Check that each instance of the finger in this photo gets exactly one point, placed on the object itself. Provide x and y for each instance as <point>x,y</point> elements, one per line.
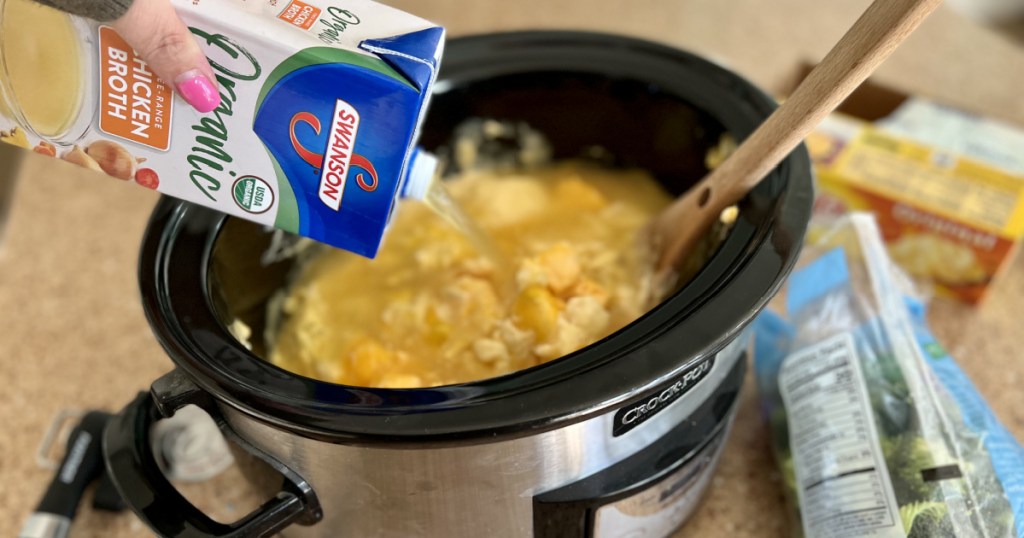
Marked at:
<point>156,32</point>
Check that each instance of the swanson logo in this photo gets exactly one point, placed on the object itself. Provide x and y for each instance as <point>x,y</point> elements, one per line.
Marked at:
<point>339,156</point>
<point>252,194</point>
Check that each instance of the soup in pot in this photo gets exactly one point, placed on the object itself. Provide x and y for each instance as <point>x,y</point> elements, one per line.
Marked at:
<point>565,270</point>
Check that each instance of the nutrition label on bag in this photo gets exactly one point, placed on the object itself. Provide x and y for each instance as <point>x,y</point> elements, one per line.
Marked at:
<point>841,477</point>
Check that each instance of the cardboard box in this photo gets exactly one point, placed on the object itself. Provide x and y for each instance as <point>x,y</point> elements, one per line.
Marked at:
<point>952,220</point>
<point>946,186</point>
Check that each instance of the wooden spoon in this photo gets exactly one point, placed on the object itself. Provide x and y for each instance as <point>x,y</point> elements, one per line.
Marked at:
<point>874,36</point>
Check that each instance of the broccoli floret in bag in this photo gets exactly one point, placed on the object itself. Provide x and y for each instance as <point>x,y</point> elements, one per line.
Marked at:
<point>906,456</point>
<point>869,439</point>
<point>926,519</point>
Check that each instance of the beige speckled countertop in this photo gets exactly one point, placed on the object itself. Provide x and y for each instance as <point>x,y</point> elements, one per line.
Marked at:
<point>72,333</point>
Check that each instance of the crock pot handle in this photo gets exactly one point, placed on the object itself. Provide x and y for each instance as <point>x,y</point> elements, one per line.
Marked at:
<point>134,470</point>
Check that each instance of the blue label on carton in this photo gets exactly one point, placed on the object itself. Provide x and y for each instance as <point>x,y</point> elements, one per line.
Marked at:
<point>340,126</point>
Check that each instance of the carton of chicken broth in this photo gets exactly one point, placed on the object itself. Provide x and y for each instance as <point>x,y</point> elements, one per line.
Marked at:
<point>321,103</point>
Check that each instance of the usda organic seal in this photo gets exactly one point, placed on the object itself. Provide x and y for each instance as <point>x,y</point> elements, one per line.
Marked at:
<point>252,194</point>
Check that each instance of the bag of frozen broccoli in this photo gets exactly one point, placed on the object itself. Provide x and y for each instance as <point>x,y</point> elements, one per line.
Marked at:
<point>877,432</point>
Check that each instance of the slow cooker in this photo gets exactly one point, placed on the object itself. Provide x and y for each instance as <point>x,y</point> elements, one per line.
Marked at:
<point>618,439</point>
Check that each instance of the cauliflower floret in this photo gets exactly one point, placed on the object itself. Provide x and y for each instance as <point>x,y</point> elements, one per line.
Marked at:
<point>582,322</point>
<point>557,267</point>
<point>562,266</point>
<point>588,314</point>
<point>567,338</point>
<point>329,369</point>
<point>531,273</point>
<point>516,340</point>
<point>490,350</point>
<point>242,332</point>
<point>470,296</point>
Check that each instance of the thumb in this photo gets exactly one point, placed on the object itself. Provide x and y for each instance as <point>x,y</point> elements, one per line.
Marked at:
<point>155,31</point>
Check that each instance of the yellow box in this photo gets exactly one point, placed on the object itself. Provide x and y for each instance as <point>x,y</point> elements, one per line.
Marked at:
<point>945,218</point>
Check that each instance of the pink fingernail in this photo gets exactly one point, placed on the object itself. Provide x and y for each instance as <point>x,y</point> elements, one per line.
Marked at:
<point>198,91</point>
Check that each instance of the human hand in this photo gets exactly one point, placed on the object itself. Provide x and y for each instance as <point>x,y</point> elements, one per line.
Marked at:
<point>155,31</point>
